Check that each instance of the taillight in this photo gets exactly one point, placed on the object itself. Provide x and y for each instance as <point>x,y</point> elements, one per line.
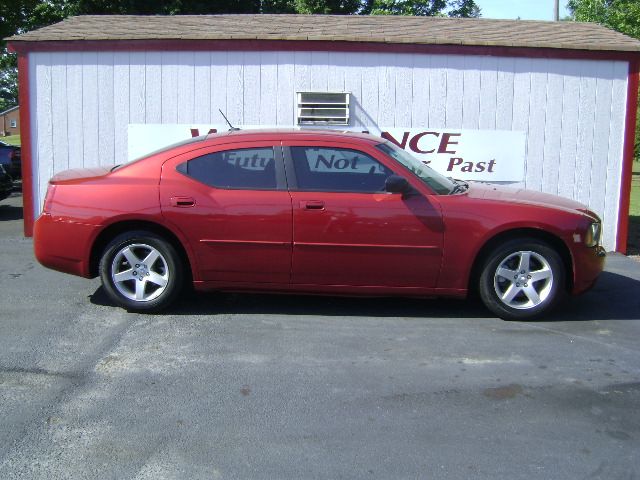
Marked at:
<point>48,199</point>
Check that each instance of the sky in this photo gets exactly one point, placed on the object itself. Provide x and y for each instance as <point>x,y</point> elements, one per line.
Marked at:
<point>525,9</point>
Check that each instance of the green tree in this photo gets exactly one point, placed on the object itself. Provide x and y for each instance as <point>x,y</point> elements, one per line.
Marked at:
<point>430,8</point>
<point>620,15</point>
<point>336,7</point>
<point>8,85</point>
<point>18,16</point>
<point>464,9</point>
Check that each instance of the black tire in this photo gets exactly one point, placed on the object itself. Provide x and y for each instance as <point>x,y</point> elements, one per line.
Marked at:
<point>156,283</point>
<point>528,291</point>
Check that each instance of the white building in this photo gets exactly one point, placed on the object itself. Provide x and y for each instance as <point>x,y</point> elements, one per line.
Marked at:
<point>553,104</point>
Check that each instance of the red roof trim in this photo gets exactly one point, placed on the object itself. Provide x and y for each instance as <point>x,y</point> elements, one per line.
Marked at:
<point>627,156</point>
<point>25,125</point>
<point>314,45</point>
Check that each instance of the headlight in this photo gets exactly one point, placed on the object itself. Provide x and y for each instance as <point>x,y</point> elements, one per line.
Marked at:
<point>592,237</point>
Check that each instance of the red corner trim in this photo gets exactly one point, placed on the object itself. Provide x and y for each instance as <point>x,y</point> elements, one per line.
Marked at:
<point>25,122</point>
<point>627,156</point>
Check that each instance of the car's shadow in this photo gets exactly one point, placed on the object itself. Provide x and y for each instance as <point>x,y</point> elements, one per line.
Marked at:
<point>9,212</point>
<point>216,303</point>
<point>615,297</point>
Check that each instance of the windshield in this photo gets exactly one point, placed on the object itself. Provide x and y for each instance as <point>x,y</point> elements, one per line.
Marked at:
<point>437,182</point>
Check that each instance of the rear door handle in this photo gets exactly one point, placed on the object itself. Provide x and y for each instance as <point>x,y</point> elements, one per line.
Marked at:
<point>182,202</point>
<point>312,205</point>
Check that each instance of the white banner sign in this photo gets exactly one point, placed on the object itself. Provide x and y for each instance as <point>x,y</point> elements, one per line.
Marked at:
<point>485,155</point>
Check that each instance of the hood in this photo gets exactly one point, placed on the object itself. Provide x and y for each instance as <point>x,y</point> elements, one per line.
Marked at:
<point>79,174</point>
<point>501,193</point>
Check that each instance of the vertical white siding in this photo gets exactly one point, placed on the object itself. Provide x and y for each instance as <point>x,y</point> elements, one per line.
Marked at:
<point>106,109</point>
<point>268,101</point>
<point>521,102</point>
<point>251,96</point>
<point>437,107</point>
<point>369,103</point>
<point>505,92</point>
<point>43,118</point>
<point>121,105</point>
<point>90,110</point>
<point>536,122</point>
<point>616,144</point>
<point>219,91</point>
<point>75,134</point>
<point>553,126</point>
<point>572,111</point>
<point>454,95</point>
<point>285,88</point>
<point>404,90</point>
<point>471,93</point>
<point>202,87</point>
<point>420,91</point>
<point>353,84</point>
<point>387,93</point>
<point>186,87</point>
<point>137,89</point>
<point>489,97</point>
<point>59,111</point>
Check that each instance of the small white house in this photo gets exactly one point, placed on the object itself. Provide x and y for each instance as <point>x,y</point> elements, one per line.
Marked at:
<point>545,105</point>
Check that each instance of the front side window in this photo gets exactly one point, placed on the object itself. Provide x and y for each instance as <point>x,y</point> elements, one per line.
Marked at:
<point>437,182</point>
<point>247,168</point>
<point>337,170</point>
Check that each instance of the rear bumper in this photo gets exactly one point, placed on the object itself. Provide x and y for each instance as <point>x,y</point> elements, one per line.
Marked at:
<point>62,245</point>
<point>588,263</point>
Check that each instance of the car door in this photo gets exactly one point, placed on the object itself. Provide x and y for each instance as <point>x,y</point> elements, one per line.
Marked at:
<point>349,231</point>
<point>232,204</point>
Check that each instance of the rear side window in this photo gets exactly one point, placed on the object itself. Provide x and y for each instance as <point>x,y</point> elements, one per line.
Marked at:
<point>248,168</point>
<point>337,170</point>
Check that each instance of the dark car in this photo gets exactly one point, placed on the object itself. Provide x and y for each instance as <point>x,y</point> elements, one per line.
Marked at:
<point>6,183</point>
<point>11,159</point>
<point>312,212</point>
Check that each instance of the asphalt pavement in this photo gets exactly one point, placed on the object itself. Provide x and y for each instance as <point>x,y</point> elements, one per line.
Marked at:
<point>231,386</point>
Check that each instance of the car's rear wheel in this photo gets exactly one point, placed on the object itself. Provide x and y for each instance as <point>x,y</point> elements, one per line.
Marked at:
<point>141,271</point>
<point>522,280</point>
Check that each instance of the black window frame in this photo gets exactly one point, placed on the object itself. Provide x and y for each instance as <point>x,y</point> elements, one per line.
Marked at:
<point>281,178</point>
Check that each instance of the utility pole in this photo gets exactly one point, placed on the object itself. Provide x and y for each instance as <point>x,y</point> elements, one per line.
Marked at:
<point>556,10</point>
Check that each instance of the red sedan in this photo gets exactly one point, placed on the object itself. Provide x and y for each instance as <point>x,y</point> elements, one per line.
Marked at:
<point>312,212</point>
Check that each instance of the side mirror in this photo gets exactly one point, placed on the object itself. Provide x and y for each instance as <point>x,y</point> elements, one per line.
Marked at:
<point>396,184</point>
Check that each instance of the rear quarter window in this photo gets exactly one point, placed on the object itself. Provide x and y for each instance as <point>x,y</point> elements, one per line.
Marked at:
<point>249,168</point>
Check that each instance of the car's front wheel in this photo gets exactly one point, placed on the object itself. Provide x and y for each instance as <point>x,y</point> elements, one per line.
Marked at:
<point>141,271</point>
<point>522,280</point>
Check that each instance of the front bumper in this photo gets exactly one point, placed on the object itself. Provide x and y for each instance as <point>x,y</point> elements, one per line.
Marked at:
<point>588,264</point>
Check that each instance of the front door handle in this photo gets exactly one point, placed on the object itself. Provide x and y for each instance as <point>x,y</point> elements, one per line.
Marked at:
<point>312,205</point>
<point>182,202</point>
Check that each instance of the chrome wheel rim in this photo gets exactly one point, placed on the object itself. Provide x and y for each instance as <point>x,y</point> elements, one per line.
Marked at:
<point>523,280</point>
<point>139,272</point>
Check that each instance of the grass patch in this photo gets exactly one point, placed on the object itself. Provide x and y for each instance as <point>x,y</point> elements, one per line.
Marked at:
<point>633,240</point>
<point>634,208</point>
<point>11,140</point>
